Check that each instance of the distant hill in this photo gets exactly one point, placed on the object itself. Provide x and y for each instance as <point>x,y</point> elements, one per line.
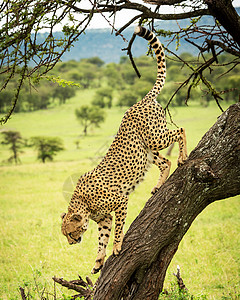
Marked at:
<point>107,46</point>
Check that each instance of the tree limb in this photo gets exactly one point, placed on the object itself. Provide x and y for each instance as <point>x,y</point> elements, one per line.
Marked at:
<point>84,288</point>
<point>226,14</point>
<point>22,292</point>
<point>180,280</point>
<point>148,13</point>
<point>164,2</point>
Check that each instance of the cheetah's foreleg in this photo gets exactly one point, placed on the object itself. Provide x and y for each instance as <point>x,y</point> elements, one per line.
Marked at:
<point>120,217</point>
<point>104,230</point>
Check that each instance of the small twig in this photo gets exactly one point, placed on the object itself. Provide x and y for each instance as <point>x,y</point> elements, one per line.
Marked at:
<point>23,295</point>
<point>170,116</point>
<point>55,294</point>
<point>180,280</point>
<point>181,85</point>
<point>213,92</point>
<point>201,49</point>
<point>112,25</point>
<point>129,53</point>
<point>89,281</point>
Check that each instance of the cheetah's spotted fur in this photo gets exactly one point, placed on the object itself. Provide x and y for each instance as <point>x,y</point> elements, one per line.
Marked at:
<point>105,189</point>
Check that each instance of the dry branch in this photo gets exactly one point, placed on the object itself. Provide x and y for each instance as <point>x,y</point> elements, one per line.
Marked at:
<point>23,295</point>
<point>84,288</point>
<point>180,280</point>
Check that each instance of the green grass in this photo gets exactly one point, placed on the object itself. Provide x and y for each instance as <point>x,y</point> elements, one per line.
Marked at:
<point>31,202</point>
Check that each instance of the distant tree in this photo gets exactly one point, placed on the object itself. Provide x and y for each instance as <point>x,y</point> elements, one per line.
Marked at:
<point>103,97</point>
<point>127,98</point>
<point>75,75</point>
<point>5,100</point>
<point>47,147</point>
<point>88,72</point>
<point>123,60</point>
<point>128,74</point>
<point>66,66</point>
<point>89,116</point>
<point>63,93</point>
<point>39,99</point>
<point>77,142</point>
<point>142,87</point>
<point>113,75</point>
<point>232,84</point>
<point>15,142</point>
<point>98,101</point>
<point>95,61</point>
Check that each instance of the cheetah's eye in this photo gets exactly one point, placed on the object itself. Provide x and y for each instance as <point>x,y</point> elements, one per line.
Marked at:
<point>76,217</point>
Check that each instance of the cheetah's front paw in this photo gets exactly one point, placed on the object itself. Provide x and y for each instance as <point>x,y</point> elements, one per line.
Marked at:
<point>98,266</point>
<point>117,248</point>
<point>154,190</point>
<point>181,160</point>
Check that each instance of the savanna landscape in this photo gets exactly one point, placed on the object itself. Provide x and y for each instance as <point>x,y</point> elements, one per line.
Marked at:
<point>34,194</point>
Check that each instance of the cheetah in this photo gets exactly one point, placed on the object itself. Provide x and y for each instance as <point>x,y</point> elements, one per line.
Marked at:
<point>105,189</point>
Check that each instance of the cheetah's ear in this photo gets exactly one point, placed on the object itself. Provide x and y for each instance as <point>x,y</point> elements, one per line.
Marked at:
<point>63,215</point>
<point>76,217</point>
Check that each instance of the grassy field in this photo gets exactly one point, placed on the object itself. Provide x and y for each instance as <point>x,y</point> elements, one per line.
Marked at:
<point>32,248</point>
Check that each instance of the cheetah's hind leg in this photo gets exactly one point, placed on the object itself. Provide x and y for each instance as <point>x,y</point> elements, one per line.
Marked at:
<point>182,141</point>
<point>164,166</point>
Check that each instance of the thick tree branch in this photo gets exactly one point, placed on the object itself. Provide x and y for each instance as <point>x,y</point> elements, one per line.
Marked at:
<point>165,2</point>
<point>148,13</point>
<point>211,173</point>
<point>226,14</point>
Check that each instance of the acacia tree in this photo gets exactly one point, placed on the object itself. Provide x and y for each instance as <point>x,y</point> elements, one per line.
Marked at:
<point>212,170</point>
<point>47,147</point>
<point>89,116</point>
<point>15,142</point>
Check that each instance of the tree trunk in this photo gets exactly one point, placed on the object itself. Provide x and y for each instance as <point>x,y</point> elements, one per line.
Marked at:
<point>212,172</point>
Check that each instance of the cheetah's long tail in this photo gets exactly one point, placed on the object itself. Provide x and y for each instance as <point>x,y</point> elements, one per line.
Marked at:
<point>158,49</point>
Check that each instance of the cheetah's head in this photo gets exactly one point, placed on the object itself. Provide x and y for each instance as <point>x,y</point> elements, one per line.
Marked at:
<point>74,225</point>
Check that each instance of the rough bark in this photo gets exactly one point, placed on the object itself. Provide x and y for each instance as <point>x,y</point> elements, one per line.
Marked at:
<point>211,173</point>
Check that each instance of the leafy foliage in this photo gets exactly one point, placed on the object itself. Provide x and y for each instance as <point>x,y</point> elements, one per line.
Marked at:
<point>20,45</point>
<point>117,84</point>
